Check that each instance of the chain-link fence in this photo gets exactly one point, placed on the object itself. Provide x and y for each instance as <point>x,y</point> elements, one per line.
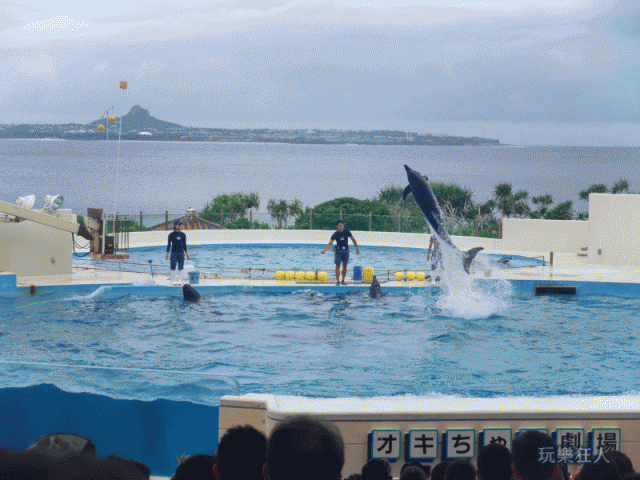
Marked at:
<point>306,221</point>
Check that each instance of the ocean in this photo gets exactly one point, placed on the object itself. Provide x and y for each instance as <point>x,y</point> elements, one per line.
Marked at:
<point>153,177</point>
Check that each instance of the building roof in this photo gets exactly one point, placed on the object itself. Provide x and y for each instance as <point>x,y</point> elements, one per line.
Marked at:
<point>190,222</point>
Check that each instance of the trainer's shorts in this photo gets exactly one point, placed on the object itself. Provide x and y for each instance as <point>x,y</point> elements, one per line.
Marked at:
<point>175,257</point>
<point>342,256</point>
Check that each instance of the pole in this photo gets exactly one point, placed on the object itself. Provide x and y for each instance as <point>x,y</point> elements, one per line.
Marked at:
<point>250,218</point>
<point>123,86</point>
<point>310,219</point>
<point>369,220</point>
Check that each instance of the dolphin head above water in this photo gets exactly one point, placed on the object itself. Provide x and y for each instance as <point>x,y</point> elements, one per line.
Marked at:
<point>189,293</point>
<point>426,200</point>
<point>375,291</point>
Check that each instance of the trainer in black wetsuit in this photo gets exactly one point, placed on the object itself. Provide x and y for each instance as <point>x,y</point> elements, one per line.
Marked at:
<point>178,247</point>
<point>341,236</point>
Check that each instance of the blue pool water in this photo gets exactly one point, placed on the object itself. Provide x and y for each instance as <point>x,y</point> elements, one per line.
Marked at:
<point>229,260</point>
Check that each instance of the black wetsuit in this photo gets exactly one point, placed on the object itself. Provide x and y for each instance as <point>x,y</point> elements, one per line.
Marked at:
<point>178,246</point>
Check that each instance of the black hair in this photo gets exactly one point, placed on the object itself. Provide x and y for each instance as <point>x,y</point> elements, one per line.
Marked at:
<point>524,452</point>
<point>439,470</point>
<point>460,470</point>
<point>494,462</point>
<point>621,461</point>
<point>304,447</point>
<point>241,454</point>
<point>599,471</point>
<point>339,221</point>
<point>375,469</point>
<point>195,467</point>
<point>413,473</point>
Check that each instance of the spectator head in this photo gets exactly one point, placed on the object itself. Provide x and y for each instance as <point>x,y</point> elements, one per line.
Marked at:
<point>524,453</point>
<point>598,471</point>
<point>376,469</point>
<point>241,454</point>
<point>460,470</point>
<point>58,445</point>
<point>426,469</point>
<point>78,466</point>
<point>413,473</point>
<point>494,462</point>
<point>621,461</point>
<point>302,447</point>
<point>195,467</point>
<point>439,470</point>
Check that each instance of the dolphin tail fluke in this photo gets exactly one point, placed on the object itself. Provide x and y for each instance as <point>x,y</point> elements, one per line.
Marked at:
<point>406,192</point>
<point>469,256</point>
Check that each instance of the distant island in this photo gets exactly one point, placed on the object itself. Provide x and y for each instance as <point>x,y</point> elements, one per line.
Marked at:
<point>139,125</point>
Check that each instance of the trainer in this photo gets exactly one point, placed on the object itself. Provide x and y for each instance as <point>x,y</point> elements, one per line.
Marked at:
<point>178,246</point>
<point>341,236</point>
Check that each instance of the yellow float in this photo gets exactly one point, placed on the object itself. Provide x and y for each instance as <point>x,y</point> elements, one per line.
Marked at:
<point>280,275</point>
<point>300,276</point>
<point>411,276</point>
<point>112,119</point>
<point>399,276</point>
<point>310,276</point>
<point>290,275</point>
<point>420,276</point>
<point>100,128</point>
<point>322,276</point>
<point>368,274</point>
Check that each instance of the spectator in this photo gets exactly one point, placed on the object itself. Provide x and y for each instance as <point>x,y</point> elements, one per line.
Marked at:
<point>439,470</point>
<point>631,476</point>
<point>426,469</point>
<point>598,471</point>
<point>494,462</point>
<point>621,461</point>
<point>355,476</point>
<point>241,454</point>
<point>60,444</point>
<point>195,467</point>
<point>524,453</point>
<point>413,473</point>
<point>376,469</point>
<point>29,465</point>
<point>460,470</point>
<point>302,447</point>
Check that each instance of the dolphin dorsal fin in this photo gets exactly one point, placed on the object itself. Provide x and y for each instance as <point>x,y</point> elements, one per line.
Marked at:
<point>406,192</point>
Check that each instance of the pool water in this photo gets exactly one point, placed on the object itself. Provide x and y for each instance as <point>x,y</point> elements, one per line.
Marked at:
<point>229,260</point>
<point>489,344</point>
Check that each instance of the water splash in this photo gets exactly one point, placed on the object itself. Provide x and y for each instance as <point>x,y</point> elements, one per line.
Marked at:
<point>101,289</point>
<point>463,296</point>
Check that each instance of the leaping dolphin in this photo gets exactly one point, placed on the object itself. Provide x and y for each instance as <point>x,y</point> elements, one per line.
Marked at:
<point>375,291</point>
<point>426,200</point>
<point>189,293</point>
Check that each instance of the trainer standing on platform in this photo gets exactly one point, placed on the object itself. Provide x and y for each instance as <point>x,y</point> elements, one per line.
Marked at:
<point>178,247</point>
<point>341,236</point>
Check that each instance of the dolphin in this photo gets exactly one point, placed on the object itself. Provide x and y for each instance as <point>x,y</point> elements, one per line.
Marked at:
<point>375,291</point>
<point>189,293</point>
<point>426,200</point>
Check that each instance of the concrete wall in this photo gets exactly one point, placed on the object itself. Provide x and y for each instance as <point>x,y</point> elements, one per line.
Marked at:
<point>321,237</point>
<point>31,249</point>
<point>614,236</point>
<point>357,417</point>
<point>558,236</point>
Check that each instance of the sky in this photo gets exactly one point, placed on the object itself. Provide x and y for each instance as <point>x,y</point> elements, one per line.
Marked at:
<point>538,72</point>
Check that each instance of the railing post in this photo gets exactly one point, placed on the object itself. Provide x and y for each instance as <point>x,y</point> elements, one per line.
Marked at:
<point>340,214</point>
<point>250,218</point>
<point>222,217</point>
<point>311,219</point>
<point>500,229</point>
<point>140,219</point>
<point>398,222</point>
<point>166,219</point>
<point>280,220</point>
<point>370,220</point>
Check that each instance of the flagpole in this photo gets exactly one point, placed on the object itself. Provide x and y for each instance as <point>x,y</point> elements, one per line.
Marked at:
<point>123,86</point>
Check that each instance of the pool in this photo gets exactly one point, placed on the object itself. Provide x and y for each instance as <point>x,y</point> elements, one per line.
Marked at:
<point>235,259</point>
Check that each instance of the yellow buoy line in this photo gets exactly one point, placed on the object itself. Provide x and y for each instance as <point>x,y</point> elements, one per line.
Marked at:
<point>293,275</point>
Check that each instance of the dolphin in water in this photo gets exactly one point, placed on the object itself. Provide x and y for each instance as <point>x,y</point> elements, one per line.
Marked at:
<point>426,200</point>
<point>375,291</point>
<point>189,293</point>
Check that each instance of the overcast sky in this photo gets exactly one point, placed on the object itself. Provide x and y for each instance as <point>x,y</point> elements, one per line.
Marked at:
<point>545,72</point>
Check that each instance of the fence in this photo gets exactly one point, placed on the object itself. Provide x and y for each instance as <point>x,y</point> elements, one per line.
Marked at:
<point>309,221</point>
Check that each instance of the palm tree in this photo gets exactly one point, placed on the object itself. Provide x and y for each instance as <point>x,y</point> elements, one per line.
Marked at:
<point>251,200</point>
<point>278,209</point>
<point>598,188</point>
<point>295,208</point>
<point>622,186</point>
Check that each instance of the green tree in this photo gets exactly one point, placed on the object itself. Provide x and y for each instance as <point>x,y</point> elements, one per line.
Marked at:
<point>355,215</point>
<point>242,223</point>
<point>598,188</point>
<point>278,209</point>
<point>622,186</point>
<point>562,211</point>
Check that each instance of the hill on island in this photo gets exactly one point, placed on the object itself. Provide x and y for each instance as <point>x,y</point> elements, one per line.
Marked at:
<point>139,119</point>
